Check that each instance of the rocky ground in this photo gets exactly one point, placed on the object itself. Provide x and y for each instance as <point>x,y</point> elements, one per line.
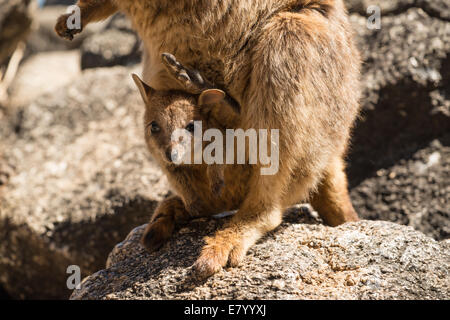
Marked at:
<point>398,163</point>
<point>75,176</point>
<point>302,259</point>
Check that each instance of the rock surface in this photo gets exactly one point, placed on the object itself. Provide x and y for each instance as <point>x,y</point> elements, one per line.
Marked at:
<point>436,8</point>
<point>75,176</point>
<point>406,80</point>
<point>3,294</point>
<point>406,106</point>
<point>412,192</point>
<point>300,260</point>
<point>78,179</point>
<point>406,102</point>
<point>44,73</point>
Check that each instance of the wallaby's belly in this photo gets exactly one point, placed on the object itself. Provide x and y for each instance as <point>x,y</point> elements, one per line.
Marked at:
<point>203,35</point>
<point>220,38</point>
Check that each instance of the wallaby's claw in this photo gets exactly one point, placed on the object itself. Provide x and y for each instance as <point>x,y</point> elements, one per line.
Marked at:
<point>170,60</point>
<point>171,63</point>
<point>183,76</point>
<point>63,30</point>
<point>190,79</point>
<point>68,35</point>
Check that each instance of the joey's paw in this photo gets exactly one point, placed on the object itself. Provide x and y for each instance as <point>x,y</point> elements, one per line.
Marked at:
<point>62,28</point>
<point>156,234</point>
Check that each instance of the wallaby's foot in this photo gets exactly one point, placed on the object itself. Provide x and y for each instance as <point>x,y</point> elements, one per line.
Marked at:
<point>191,80</point>
<point>226,247</point>
<point>332,200</point>
<point>63,30</point>
<point>162,224</point>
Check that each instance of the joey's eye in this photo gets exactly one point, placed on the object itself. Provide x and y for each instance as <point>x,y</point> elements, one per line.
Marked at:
<point>154,127</point>
<point>190,127</point>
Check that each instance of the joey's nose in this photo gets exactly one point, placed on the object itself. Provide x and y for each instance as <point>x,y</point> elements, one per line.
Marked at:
<point>171,155</point>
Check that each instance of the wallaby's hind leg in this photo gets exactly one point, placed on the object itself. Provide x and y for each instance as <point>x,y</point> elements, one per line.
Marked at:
<point>160,228</point>
<point>332,200</point>
<point>91,11</point>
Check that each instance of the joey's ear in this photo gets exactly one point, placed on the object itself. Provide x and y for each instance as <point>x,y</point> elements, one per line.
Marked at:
<point>211,96</point>
<point>145,90</point>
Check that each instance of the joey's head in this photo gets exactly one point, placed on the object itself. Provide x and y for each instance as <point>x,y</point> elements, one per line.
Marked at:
<point>171,119</point>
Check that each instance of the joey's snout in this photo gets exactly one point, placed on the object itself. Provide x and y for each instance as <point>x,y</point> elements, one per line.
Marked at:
<point>175,153</point>
<point>179,150</point>
<point>171,154</point>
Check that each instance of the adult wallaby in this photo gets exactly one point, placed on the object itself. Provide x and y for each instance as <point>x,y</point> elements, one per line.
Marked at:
<point>291,65</point>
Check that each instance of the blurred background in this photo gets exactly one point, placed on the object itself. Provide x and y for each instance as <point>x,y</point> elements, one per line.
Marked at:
<point>75,176</point>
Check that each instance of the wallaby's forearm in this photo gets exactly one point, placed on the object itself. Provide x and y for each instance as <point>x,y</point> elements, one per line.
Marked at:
<point>90,11</point>
<point>95,10</point>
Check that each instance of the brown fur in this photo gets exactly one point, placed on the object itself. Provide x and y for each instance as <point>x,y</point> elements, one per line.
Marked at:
<point>195,198</point>
<point>291,65</point>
